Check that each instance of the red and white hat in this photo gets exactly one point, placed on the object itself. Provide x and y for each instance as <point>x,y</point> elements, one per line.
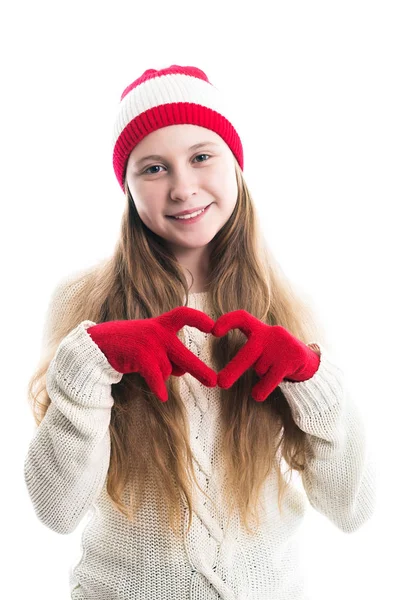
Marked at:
<point>172,96</point>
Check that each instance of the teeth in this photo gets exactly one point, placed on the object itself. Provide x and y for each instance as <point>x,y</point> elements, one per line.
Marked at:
<point>191,215</point>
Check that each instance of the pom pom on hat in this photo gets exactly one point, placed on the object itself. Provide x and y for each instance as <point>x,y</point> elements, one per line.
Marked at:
<point>171,96</point>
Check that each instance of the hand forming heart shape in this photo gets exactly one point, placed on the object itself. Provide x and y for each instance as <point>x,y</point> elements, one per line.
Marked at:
<point>273,351</point>
<point>151,347</point>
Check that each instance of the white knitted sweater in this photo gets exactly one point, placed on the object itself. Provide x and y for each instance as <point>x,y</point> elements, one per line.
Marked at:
<point>68,459</point>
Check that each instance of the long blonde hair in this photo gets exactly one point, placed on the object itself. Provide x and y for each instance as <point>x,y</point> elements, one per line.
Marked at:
<point>143,279</point>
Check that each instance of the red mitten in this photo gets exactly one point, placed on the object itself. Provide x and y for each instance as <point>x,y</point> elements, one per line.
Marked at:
<point>151,347</point>
<point>275,353</point>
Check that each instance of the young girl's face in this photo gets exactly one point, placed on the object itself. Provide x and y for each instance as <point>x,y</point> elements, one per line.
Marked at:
<point>180,178</point>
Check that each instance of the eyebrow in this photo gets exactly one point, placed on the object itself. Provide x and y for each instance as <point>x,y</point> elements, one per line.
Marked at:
<point>159,157</point>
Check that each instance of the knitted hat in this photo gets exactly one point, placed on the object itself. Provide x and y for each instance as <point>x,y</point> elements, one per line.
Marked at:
<point>171,96</point>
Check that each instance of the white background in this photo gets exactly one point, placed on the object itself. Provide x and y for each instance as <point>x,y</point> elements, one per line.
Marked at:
<point>316,87</point>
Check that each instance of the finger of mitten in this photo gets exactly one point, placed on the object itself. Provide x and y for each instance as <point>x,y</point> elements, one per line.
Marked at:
<point>154,379</point>
<point>263,388</point>
<point>185,359</point>
<point>237,319</point>
<point>239,364</point>
<point>266,360</point>
<point>163,362</point>
<point>185,315</point>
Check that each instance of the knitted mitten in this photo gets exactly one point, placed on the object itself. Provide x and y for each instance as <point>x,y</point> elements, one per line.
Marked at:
<point>152,348</point>
<point>274,352</point>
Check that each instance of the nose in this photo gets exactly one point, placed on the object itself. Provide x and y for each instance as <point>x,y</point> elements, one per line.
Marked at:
<point>183,184</point>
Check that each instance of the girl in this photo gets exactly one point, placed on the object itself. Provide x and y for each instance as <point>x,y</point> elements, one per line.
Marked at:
<point>178,378</point>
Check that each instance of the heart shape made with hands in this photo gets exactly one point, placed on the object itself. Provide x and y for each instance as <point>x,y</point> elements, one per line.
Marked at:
<point>273,352</point>
<point>152,348</point>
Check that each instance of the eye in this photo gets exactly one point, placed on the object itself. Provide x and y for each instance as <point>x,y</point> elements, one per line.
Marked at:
<point>202,155</point>
<point>147,171</point>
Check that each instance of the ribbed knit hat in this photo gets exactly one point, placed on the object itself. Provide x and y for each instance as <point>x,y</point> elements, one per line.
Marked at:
<point>171,96</point>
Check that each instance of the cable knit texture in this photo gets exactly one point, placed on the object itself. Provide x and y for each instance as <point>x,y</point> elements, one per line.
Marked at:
<point>68,459</point>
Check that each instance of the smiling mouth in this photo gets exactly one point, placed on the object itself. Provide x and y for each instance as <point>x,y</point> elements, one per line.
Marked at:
<point>189,216</point>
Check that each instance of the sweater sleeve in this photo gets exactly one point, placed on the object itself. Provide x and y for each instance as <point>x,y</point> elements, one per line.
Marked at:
<point>68,457</point>
<point>339,477</point>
